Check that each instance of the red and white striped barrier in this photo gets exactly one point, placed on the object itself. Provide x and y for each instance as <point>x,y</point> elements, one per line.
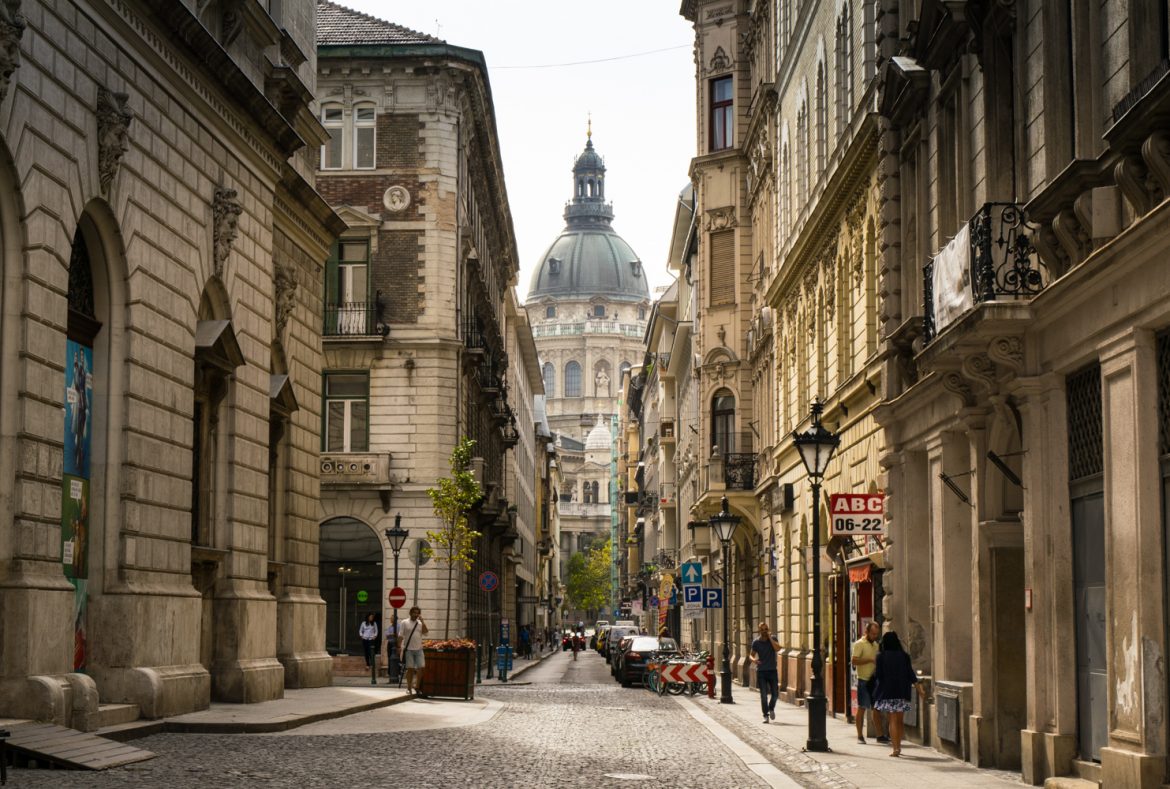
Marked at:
<point>684,672</point>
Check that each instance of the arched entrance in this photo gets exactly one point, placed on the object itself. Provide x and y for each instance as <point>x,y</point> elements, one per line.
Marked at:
<point>351,581</point>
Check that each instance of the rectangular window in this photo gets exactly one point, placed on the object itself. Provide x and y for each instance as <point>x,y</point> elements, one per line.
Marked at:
<point>347,412</point>
<point>333,121</point>
<point>363,138</point>
<point>347,289</point>
<point>723,267</point>
<point>721,113</point>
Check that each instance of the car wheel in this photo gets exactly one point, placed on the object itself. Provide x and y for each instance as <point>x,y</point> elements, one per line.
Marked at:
<point>626,682</point>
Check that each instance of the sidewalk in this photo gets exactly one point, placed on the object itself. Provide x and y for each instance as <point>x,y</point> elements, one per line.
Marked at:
<point>850,764</point>
<point>519,666</point>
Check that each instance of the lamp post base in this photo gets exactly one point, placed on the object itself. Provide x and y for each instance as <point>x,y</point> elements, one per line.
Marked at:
<point>725,693</point>
<point>817,740</point>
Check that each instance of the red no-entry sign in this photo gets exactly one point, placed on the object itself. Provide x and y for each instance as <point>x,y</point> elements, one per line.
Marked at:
<point>397,597</point>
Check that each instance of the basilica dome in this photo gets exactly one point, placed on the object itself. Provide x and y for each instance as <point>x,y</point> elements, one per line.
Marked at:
<point>599,439</point>
<point>588,259</point>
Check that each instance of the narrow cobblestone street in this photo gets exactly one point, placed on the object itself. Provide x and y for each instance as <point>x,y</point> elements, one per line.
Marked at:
<point>565,724</point>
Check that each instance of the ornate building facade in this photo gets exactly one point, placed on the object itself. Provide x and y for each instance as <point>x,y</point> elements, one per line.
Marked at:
<point>587,303</point>
<point>941,221</point>
<point>421,349</point>
<point>159,394</point>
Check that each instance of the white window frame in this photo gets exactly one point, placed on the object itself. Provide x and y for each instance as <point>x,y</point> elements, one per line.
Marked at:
<point>358,125</point>
<point>330,126</point>
<point>347,414</point>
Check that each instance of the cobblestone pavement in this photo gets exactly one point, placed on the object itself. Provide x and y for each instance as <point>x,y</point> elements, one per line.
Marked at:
<point>567,725</point>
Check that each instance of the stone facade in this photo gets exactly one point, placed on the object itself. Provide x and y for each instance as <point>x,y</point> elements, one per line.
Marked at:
<point>966,278</point>
<point>417,320</point>
<point>159,407</point>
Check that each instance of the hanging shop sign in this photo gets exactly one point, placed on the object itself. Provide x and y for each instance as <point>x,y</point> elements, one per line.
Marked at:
<point>857,514</point>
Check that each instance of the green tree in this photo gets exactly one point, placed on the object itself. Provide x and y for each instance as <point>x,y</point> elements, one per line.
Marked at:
<point>451,501</point>
<point>587,582</point>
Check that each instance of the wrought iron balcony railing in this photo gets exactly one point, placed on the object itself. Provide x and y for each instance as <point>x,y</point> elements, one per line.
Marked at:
<point>739,470</point>
<point>991,258</point>
<point>356,319</point>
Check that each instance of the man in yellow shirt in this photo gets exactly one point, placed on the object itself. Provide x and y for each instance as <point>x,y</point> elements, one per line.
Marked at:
<point>865,651</point>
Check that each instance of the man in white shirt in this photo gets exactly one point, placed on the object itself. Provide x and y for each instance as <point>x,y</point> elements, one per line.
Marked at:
<point>410,650</point>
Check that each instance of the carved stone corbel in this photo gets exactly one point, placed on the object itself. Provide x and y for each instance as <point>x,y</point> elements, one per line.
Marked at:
<point>958,385</point>
<point>1007,351</point>
<point>1131,174</point>
<point>980,371</point>
<point>1156,154</point>
<point>225,214</point>
<point>1072,237</point>
<point>12,25</point>
<point>113,123</point>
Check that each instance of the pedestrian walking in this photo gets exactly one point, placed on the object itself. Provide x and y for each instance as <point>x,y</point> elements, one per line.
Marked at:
<point>525,641</point>
<point>895,682</point>
<point>577,644</point>
<point>368,632</point>
<point>410,650</point>
<point>864,661</point>
<point>763,654</point>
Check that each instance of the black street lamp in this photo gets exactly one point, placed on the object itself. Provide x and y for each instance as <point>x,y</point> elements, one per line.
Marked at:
<point>724,524</point>
<point>816,446</point>
<point>397,538</point>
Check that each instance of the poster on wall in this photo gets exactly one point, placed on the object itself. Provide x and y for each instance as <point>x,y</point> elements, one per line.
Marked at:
<point>951,279</point>
<point>78,408</point>
<point>75,486</point>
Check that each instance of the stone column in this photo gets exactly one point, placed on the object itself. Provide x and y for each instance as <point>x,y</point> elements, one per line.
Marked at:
<point>1136,753</point>
<point>1048,744</point>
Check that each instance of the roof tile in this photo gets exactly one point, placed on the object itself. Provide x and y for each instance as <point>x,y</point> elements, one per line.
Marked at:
<point>341,26</point>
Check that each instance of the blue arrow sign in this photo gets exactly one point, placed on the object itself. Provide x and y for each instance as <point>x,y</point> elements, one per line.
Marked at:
<point>712,598</point>
<point>692,573</point>
<point>692,594</point>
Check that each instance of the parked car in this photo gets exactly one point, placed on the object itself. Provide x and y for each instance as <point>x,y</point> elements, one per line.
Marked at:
<point>615,665</point>
<point>613,639</point>
<point>599,642</point>
<point>638,653</point>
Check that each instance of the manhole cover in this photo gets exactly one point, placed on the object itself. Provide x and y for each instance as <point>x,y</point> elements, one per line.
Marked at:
<point>630,776</point>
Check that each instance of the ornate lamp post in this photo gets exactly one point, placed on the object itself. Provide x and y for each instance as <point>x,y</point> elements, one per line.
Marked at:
<point>816,446</point>
<point>724,523</point>
<point>397,538</point>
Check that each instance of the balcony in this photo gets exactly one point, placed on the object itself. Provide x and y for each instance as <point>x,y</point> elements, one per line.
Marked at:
<point>356,319</point>
<point>991,259</point>
<point>355,470</point>
<point>579,510</point>
<point>666,432</point>
<point>739,470</point>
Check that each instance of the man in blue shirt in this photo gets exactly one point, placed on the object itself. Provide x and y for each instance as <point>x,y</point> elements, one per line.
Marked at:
<point>764,651</point>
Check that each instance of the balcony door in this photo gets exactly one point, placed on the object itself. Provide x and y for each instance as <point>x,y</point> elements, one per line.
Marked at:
<point>723,421</point>
<point>347,290</point>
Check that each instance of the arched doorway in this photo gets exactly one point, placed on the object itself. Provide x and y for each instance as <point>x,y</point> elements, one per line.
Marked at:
<point>351,581</point>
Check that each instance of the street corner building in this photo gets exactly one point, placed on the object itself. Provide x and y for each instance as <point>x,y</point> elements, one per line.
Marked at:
<point>424,341</point>
<point>945,223</point>
<point>159,385</point>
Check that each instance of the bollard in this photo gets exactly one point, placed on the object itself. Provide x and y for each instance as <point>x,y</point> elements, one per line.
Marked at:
<point>710,676</point>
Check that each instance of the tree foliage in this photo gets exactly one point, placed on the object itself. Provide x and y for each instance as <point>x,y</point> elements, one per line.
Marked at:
<point>587,582</point>
<point>451,500</point>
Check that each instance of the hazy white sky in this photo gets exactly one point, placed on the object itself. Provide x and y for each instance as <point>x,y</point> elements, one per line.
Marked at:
<point>643,107</point>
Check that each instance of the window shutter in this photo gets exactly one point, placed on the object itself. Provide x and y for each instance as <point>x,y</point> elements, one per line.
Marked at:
<point>722,269</point>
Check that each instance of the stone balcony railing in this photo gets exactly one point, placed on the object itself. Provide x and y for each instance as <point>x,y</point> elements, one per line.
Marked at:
<point>580,510</point>
<point>355,469</point>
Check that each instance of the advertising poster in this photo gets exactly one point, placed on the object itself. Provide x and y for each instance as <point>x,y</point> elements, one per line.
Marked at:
<point>78,408</point>
<point>75,485</point>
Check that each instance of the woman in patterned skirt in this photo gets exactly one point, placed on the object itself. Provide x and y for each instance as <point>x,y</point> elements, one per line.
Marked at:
<point>895,679</point>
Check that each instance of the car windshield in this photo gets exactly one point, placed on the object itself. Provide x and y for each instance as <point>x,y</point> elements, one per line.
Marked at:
<point>650,644</point>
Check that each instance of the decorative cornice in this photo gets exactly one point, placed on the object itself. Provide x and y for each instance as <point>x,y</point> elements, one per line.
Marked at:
<point>225,212</point>
<point>113,123</point>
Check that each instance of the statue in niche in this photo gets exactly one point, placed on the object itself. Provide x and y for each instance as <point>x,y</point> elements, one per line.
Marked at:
<point>601,384</point>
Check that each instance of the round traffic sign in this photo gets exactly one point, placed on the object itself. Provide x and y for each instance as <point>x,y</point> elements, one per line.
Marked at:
<point>397,597</point>
<point>488,581</point>
<point>363,596</point>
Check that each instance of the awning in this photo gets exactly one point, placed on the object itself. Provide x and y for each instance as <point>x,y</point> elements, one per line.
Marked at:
<point>860,574</point>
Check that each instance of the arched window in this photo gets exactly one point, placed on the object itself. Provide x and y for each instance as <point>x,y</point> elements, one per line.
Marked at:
<point>625,368</point>
<point>586,493</point>
<point>596,493</point>
<point>844,68</point>
<point>723,421</point>
<point>334,121</point>
<point>363,137</point>
<point>572,380</point>
<point>550,380</point>
<point>822,119</point>
<point>550,311</point>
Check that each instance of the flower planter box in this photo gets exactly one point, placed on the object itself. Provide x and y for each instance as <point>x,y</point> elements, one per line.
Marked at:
<point>449,673</point>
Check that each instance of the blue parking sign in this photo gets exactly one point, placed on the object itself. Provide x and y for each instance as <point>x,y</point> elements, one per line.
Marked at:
<point>712,597</point>
<point>692,594</point>
<point>654,601</point>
